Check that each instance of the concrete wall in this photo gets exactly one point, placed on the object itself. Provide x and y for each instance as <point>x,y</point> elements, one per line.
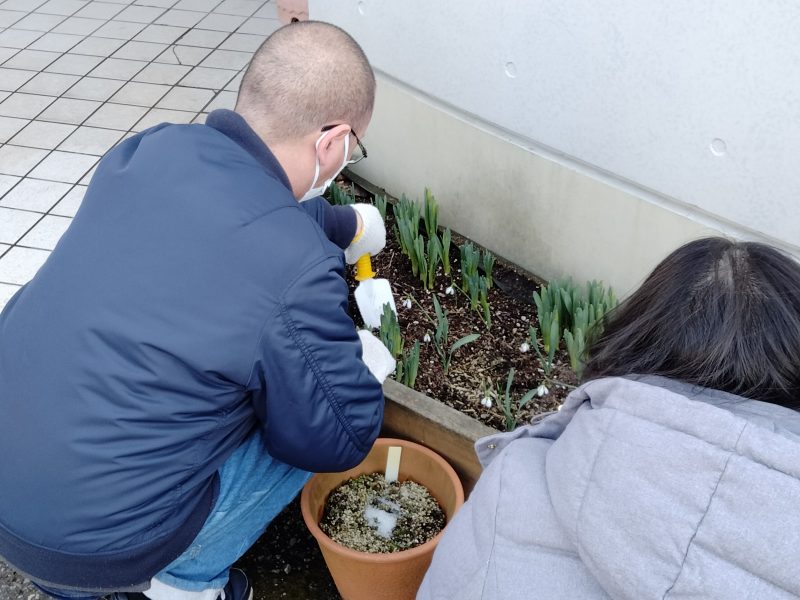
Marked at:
<point>587,138</point>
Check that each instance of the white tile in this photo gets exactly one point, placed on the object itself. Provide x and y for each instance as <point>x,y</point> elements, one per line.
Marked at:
<point>24,106</point>
<point>38,22</point>
<point>183,55</point>
<point>88,177</point>
<point>69,110</point>
<point>16,160</point>
<point>162,73</point>
<point>78,26</point>
<point>186,98</point>
<point>7,182</point>
<point>69,204</point>
<point>203,77</point>
<point>163,34</point>
<point>35,195</point>
<point>61,7</point>
<point>233,84</point>
<point>26,5</point>
<point>204,5</point>
<point>15,223</point>
<point>227,59</point>
<point>244,8</point>
<point>180,18</point>
<point>140,94</point>
<point>203,38</point>
<point>56,42</point>
<point>64,166</point>
<point>243,42</point>
<point>222,100</point>
<point>19,265</point>
<point>9,17</point>
<point>46,233</point>
<point>268,11</point>
<point>7,291</point>
<point>91,140</point>
<point>201,118</point>
<point>140,14</point>
<point>119,29</point>
<point>31,60</point>
<point>18,38</point>
<point>217,22</point>
<point>118,68</point>
<point>98,46</point>
<point>99,10</point>
<point>94,88</point>
<point>40,134</point>
<point>50,84</point>
<point>116,116</point>
<point>159,3</point>
<point>9,126</point>
<point>6,53</point>
<point>146,51</point>
<point>257,26</point>
<point>12,79</point>
<point>163,115</point>
<point>74,64</point>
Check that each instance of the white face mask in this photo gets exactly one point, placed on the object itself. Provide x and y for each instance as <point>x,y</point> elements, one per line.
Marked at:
<point>318,191</point>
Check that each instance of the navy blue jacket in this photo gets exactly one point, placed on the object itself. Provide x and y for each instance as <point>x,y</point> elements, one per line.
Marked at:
<point>191,299</point>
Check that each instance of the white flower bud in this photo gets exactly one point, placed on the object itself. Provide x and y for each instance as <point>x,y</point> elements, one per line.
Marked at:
<point>449,290</point>
<point>542,390</point>
<point>487,402</point>
<point>407,303</point>
<point>427,338</point>
<point>524,347</point>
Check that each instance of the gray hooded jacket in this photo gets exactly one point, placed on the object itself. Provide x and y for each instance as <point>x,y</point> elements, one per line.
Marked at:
<point>637,488</point>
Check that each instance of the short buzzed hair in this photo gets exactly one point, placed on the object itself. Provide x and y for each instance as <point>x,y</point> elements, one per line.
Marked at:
<point>306,75</point>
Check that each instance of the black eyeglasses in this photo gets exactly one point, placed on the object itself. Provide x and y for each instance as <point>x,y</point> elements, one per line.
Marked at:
<point>363,150</point>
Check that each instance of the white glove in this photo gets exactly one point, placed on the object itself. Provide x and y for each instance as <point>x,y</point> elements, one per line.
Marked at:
<point>373,234</point>
<point>378,359</point>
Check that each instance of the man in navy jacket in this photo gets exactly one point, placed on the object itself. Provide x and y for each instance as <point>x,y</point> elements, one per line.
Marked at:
<point>185,356</point>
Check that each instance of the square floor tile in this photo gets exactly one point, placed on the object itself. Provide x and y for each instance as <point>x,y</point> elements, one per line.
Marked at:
<point>118,68</point>
<point>203,77</point>
<point>19,265</point>
<point>26,5</point>
<point>233,84</point>
<point>18,38</point>
<point>69,204</point>
<point>38,22</point>
<point>46,233</point>
<point>12,79</point>
<point>245,8</point>
<point>74,64</point>
<point>183,55</point>
<point>243,42</point>
<point>116,116</point>
<point>64,166</point>
<point>119,29</point>
<point>9,126</point>
<point>140,94</point>
<point>201,118</point>
<point>146,51</point>
<point>91,140</point>
<point>257,26</point>
<point>163,34</point>
<point>94,88</point>
<point>205,5</point>
<point>88,177</point>
<point>227,59</point>
<point>186,98</point>
<point>7,182</point>
<point>159,3</point>
<point>163,115</point>
<point>40,134</point>
<point>99,10</point>
<point>140,14</point>
<point>7,291</point>
<point>15,223</point>
<point>61,7</point>
<point>9,17</point>
<point>224,99</point>
<point>78,26</point>
<point>31,60</point>
<point>56,42</point>
<point>16,160</point>
<point>98,46</point>
<point>217,22</point>
<point>52,84</point>
<point>203,38</point>
<point>268,11</point>
<point>24,106</point>
<point>35,195</point>
<point>180,18</point>
<point>69,110</point>
<point>6,53</point>
<point>162,73</point>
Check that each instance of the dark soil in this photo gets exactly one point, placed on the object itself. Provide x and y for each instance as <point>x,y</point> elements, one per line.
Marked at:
<point>480,369</point>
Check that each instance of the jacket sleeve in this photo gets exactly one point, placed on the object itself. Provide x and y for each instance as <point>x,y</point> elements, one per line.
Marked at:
<point>338,222</point>
<point>320,407</point>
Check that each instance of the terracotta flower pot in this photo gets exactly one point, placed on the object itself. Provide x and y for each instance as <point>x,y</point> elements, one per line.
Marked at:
<point>391,576</point>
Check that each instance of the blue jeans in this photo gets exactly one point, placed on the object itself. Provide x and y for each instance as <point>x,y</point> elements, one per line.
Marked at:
<point>254,488</point>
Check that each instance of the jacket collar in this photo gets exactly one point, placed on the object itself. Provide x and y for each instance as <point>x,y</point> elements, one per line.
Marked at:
<point>234,126</point>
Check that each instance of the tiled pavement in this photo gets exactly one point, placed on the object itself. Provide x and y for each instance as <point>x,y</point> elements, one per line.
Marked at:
<point>78,76</point>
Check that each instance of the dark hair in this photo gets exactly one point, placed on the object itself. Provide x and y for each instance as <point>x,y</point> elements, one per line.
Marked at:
<point>715,313</point>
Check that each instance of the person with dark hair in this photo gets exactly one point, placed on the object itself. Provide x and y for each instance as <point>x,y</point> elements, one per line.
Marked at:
<point>184,359</point>
<point>673,471</point>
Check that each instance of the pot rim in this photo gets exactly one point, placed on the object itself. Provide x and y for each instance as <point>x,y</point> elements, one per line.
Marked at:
<point>381,557</point>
